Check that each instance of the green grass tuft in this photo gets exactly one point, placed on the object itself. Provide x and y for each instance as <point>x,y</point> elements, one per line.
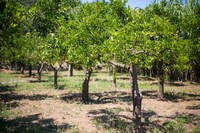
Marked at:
<point>196,129</point>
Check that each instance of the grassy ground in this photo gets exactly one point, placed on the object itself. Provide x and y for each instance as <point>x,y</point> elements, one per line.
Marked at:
<point>30,106</point>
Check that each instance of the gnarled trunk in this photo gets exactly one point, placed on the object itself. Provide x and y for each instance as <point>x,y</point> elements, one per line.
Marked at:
<point>40,71</point>
<point>160,80</point>
<point>136,95</point>
<point>70,71</point>
<point>55,70</point>
<point>85,85</point>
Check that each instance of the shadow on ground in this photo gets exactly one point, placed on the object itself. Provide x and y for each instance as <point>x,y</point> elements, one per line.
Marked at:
<point>36,81</point>
<point>175,97</point>
<point>31,123</point>
<point>148,124</point>
<point>140,78</point>
<point>121,96</point>
<point>171,96</point>
<point>176,84</point>
<point>100,98</point>
<point>10,99</point>
<point>195,107</point>
<point>111,119</point>
<point>165,124</point>
<point>7,97</point>
<point>123,78</point>
<point>5,88</point>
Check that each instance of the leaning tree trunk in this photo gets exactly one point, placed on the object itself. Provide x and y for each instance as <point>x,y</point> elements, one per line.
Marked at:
<point>70,71</point>
<point>55,70</point>
<point>40,71</point>
<point>85,86</point>
<point>30,71</point>
<point>160,80</point>
<point>136,95</point>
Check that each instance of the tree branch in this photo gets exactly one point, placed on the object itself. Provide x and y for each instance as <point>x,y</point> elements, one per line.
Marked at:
<point>119,64</point>
<point>138,52</point>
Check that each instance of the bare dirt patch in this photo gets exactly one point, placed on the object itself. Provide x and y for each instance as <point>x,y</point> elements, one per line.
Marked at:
<point>59,110</point>
<point>36,107</point>
<point>6,71</point>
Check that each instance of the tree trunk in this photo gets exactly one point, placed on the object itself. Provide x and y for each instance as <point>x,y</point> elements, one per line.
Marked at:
<point>143,72</point>
<point>196,70</point>
<point>11,64</point>
<point>154,70</point>
<point>160,80</point>
<point>85,86</point>
<point>30,71</point>
<point>188,76</point>
<point>56,79</point>
<point>114,76</point>
<point>184,76</point>
<point>148,72</point>
<point>171,76</point>
<point>55,70</point>
<point>136,95</point>
<point>22,68</point>
<point>70,71</point>
<point>40,71</point>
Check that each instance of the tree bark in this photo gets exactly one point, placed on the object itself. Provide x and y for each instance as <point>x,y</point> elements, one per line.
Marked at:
<point>154,70</point>
<point>148,72</point>
<point>40,71</point>
<point>85,85</point>
<point>114,76</point>
<point>22,65</point>
<point>55,78</point>
<point>143,71</point>
<point>160,80</point>
<point>171,75</point>
<point>184,76</point>
<point>55,70</point>
<point>196,70</point>
<point>70,71</point>
<point>119,64</point>
<point>136,95</point>
<point>30,71</point>
<point>11,64</point>
<point>188,76</point>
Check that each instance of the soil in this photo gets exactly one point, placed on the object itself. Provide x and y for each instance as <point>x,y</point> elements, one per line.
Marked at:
<point>56,110</point>
<point>64,109</point>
